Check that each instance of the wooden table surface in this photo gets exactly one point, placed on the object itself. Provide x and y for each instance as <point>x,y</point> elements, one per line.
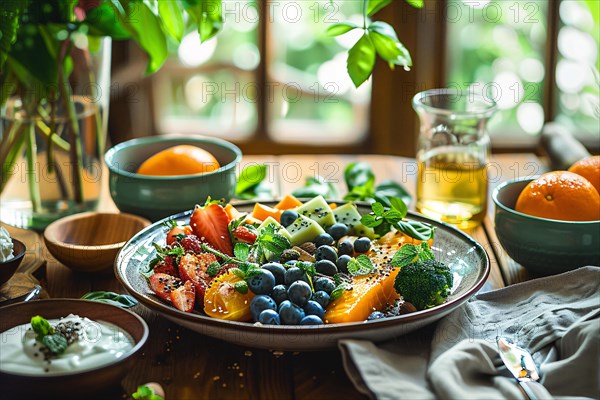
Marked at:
<point>192,366</point>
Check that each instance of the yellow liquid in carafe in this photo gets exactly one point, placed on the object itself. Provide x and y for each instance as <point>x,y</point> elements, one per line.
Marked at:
<point>452,187</point>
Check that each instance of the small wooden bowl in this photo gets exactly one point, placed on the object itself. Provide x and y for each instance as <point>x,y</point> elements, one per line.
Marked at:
<point>78,384</point>
<point>8,268</point>
<point>89,242</point>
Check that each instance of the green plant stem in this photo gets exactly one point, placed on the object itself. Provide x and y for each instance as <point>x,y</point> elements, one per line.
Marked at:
<point>365,8</point>
<point>31,152</point>
<point>12,152</point>
<point>75,153</point>
<point>52,135</point>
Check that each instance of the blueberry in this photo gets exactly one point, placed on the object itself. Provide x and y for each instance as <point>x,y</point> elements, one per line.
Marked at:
<point>375,315</point>
<point>280,293</point>
<point>295,274</point>
<point>314,308</point>
<point>262,283</point>
<point>326,253</point>
<point>342,263</point>
<point>269,317</point>
<point>288,217</point>
<point>290,314</point>
<point>290,263</point>
<point>338,230</point>
<point>277,270</point>
<point>324,284</point>
<point>261,303</point>
<point>323,239</point>
<point>299,292</point>
<point>321,297</point>
<point>362,244</point>
<point>346,247</point>
<point>311,320</point>
<point>326,267</point>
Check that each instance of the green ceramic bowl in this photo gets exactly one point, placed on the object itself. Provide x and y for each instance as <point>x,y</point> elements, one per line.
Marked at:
<point>543,246</point>
<point>156,197</point>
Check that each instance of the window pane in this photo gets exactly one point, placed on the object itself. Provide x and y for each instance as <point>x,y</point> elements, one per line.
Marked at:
<point>576,71</point>
<point>497,49</point>
<point>210,88</point>
<point>311,99</point>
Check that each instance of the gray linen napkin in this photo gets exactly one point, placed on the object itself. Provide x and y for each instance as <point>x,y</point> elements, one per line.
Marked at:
<point>556,318</point>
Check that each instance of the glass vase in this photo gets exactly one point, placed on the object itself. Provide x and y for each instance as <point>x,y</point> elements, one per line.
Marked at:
<point>52,142</point>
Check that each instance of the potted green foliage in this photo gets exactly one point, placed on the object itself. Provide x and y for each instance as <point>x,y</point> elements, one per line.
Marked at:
<point>54,79</point>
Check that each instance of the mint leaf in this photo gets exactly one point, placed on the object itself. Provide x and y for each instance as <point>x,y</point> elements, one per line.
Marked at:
<point>238,272</point>
<point>392,216</point>
<point>213,269</point>
<point>399,205</point>
<point>307,267</point>
<point>273,242</point>
<point>416,229</point>
<point>405,255</point>
<point>360,265</point>
<point>241,287</point>
<point>41,326</point>
<point>146,393</point>
<point>241,251</point>
<point>57,344</point>
<point>378,209</point>
<point>370,221</point>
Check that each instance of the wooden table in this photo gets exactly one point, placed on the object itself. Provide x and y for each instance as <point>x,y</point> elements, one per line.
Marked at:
<point>192,366</point>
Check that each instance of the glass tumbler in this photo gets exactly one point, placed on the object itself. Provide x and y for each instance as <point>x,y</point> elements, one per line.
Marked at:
<point>452,156</point>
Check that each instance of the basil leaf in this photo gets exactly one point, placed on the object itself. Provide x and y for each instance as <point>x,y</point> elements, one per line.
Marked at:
<point>361,60</point>
<point>376,5</point>
<point>341,28</point>
<point>416,229</point>
<point>115,299</point>
<point>249,180</point>
<point>57,344</point>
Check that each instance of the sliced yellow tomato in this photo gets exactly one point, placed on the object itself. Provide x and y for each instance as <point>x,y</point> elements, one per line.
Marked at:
<point>222,301</point>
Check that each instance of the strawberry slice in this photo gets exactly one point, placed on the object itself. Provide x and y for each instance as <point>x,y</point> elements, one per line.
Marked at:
<point>193,268</point>
<point>167,266</point>
<point>184,297</point>
<point>209,223</point>
<point>163,285</point>
<point>243,234</point>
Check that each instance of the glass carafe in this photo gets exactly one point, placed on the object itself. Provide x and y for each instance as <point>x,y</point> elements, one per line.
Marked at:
<point>453,154</point>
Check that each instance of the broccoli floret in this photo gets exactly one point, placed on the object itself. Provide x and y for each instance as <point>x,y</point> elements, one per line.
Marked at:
<point>424,283</point>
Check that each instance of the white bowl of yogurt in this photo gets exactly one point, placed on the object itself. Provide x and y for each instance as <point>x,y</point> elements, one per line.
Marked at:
<point>103,342</point>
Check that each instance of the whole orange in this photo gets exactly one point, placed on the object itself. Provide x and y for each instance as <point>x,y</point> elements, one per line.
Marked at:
<point>179,160</point>
<point>560,195</point>
<point>589,168</point>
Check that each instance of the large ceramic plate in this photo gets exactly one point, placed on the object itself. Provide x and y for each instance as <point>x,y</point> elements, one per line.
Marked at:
<point>467,259</point>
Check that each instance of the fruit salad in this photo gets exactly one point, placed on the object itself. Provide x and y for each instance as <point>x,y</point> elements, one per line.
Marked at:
<point>296,263</point>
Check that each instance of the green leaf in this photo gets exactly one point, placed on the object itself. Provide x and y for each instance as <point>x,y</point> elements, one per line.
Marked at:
<point>57,344</point>
<point>361,60</point>
<point>241,287</point>
<point>208,16</point>
<point>213,269</point>
<point>316,186</point>
<point>341,28</point>
<point>146,393</point>
<point>274,243</point>
<point>241,251</point>
<point>359,174</point>
<point>425,252</point>
<point>370,221</point>
<point>172,19</point>
<point>405,255</point>
<point>115,299</point>
<point>378,209</point>
<point>238,272</point>
<point>249,180</point>
<point>9,25</point>
<point>416,229</point>
<point>146,28</point>
<point>394,193</point>
<point>41,326</point>
<point>360,265</point>
<point>376,5</point>
<point>392,216</point>
<point>339,290</point>
<point>387,45</point>
<point>416,3</point>
<point>104,21</point>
